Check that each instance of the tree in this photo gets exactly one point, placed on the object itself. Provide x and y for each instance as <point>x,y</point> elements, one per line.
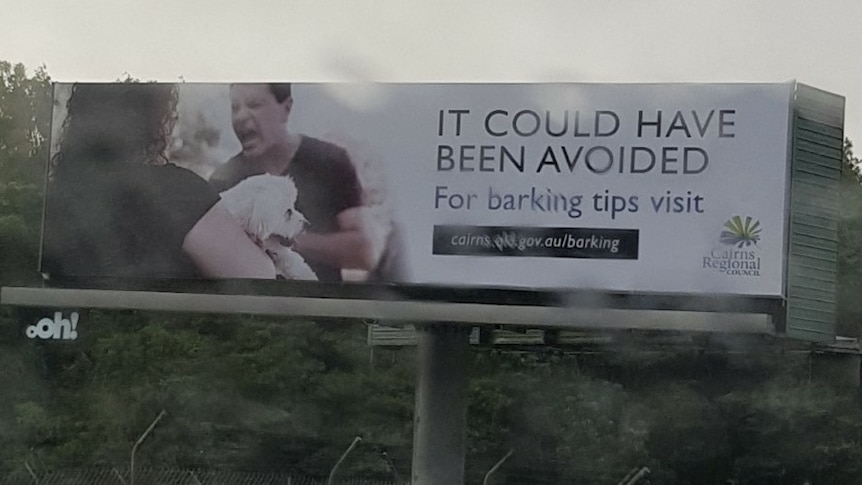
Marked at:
<point>25,114</point>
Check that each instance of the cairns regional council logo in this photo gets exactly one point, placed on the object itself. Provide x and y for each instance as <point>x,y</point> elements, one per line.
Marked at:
<point>737,253</point>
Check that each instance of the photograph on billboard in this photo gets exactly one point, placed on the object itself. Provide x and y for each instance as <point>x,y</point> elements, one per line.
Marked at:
<point>670,188</point>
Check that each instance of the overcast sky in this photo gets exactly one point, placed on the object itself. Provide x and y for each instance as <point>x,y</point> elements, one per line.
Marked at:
<point>817,43</point>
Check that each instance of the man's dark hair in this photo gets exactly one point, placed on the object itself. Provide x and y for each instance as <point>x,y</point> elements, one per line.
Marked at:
<point>281,91</point>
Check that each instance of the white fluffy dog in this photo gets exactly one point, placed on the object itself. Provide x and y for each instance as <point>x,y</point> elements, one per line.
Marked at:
<point>264,204</point>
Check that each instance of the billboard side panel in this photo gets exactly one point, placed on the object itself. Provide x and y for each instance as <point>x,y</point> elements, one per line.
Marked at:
<point>812,260</point>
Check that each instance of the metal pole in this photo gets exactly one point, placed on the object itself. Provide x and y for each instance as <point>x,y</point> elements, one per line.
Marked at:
<point>440,416</point>
<point>495,467</point>
<point>138,443</point>
<point>343,456</point>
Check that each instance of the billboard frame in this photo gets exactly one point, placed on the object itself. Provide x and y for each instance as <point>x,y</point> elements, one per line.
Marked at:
<point>802,312</point>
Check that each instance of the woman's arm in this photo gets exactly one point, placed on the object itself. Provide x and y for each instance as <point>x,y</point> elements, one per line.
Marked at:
<point>221,249</point>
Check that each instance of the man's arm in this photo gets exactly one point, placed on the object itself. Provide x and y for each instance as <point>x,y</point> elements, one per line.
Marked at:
<point>358,244</point>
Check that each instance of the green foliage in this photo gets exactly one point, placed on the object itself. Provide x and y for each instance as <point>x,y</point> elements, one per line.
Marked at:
<point>247,393</point>
<point>239,392</point>
<point>789,433</point>
<point>690,418</point>
<point>850,247</point>
<point>25,114</point>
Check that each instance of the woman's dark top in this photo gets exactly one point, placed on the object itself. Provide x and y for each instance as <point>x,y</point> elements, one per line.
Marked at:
<point>123,221</point>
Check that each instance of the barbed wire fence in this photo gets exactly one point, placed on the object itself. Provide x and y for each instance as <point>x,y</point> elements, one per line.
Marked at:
<point>115,476</point>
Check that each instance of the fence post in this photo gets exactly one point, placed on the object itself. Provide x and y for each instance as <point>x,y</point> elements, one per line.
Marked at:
<point>195,478</point>
<point>343,456</point>
<point>119,477</point>
<point>32,473</point>
<point>497,466</point>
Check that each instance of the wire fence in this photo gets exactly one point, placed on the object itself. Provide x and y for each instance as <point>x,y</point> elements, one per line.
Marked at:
<point>178,477</point>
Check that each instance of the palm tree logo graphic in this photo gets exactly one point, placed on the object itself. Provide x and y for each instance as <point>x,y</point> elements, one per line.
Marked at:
<point>740,233</point>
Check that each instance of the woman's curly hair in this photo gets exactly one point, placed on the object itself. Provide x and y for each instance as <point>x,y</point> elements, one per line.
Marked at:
<point>120,123</point>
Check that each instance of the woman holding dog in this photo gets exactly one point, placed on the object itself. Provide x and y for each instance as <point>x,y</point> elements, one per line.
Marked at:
<point>117,208</point>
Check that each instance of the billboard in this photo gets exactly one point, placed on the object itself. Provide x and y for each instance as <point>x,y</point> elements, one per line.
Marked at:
<point>668,188</point>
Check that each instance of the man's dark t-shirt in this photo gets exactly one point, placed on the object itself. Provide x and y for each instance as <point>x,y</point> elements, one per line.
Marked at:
<point>325,179</point>
<point>127,220</point>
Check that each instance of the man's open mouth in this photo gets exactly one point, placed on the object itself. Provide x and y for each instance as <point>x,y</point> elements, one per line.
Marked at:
<point>247,137</point>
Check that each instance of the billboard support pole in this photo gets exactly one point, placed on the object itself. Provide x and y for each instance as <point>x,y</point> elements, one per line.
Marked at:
<point>440,416</point>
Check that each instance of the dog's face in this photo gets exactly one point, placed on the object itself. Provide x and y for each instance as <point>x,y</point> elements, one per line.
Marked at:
<point>265,206</point>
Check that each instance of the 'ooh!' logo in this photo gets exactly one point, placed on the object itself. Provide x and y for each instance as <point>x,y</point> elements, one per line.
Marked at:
<point>58,328</point>
<point>738,233</point>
